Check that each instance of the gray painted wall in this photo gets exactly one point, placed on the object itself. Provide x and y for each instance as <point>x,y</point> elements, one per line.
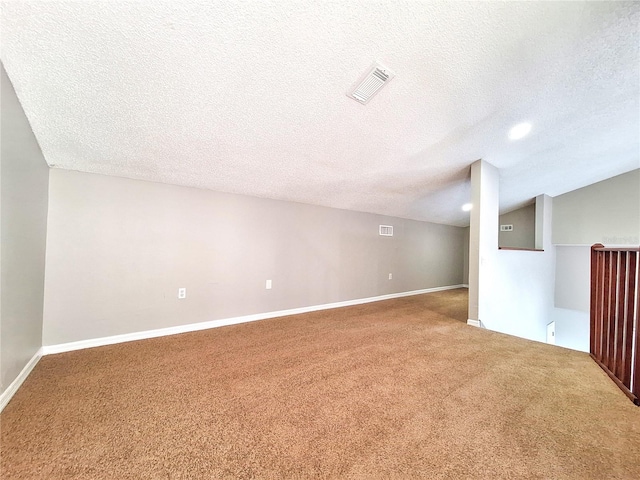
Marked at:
<point>465,257</point>
<point>573,281</point>
<point>571,312</point>
<point>606,212</point>
<point>24,187</point>
<point>119,249</point>
<point>524,228</point>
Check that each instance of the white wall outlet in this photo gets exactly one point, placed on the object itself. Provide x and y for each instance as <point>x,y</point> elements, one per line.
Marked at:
<point>551,333</point>
<point>182,293</point>
<point>268,285</point>
<point>390,276</point>
<point>506,228</point>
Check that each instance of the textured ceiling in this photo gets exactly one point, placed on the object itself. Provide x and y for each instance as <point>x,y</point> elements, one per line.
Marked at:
<point>250,97</point>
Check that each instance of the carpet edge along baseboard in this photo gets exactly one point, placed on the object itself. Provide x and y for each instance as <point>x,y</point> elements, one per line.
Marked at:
<point>17,382</point>
<point>10,391</point>
<point>193,327</point>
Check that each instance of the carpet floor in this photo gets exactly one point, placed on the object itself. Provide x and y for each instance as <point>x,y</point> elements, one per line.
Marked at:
<point>393,389</point>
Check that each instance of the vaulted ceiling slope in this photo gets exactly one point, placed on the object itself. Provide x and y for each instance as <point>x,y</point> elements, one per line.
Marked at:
<point>250,97</point>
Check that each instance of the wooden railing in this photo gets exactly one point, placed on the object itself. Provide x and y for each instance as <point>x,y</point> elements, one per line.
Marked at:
<point>615,336</point>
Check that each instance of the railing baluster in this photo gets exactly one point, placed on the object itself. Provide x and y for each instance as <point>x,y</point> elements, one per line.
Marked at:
<point>615,328</point>
<point>633,311</point>
<point>616,284</point>
<point>596,281</point>
<point>623,366</point>
<point>610,306</point>
<point>601,298</point>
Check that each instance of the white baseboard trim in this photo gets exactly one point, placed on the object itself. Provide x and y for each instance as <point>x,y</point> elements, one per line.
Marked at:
<point>193,327</point>
<point>22,376</point>
<point>465,285</point>
<point>474,323</point>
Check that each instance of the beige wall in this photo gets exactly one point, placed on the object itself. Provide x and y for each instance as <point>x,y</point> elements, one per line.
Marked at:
<point>606,212</point>
<point>573,278</point>
<point>465,257</point>
<point>524,228</point>
<point>24,189</point>
<point>119,249</point>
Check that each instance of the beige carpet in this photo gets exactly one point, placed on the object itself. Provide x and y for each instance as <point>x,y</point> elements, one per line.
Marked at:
<point>394,389</point>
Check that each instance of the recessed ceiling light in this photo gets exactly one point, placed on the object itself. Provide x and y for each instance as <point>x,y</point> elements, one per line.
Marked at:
<point>467,207</point>
<point>519,131</point>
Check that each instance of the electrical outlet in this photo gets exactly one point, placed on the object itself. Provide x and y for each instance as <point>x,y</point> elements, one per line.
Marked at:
<point>551,333</point>
<point>506,228</point>
<point>268,285</point>
<point>182,293</point>
<point>390,276</point>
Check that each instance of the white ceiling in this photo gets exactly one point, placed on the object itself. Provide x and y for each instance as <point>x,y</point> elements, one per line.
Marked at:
<point>250,97</point>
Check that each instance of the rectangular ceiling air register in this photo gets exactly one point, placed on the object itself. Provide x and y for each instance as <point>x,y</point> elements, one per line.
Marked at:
<point>373,81</point>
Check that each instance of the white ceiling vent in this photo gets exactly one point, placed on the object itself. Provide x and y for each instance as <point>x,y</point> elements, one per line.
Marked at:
<point>386,230</point>
<point>373,81</point>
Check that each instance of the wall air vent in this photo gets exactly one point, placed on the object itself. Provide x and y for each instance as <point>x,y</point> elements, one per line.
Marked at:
<point>386,230</point>
<point>373,81</point>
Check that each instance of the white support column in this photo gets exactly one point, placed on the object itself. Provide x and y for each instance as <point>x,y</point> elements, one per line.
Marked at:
<point>483,235</point>
<point>543,222</point>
